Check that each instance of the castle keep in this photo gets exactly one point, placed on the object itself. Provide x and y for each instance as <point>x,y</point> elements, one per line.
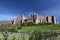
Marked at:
<point>35,18</point>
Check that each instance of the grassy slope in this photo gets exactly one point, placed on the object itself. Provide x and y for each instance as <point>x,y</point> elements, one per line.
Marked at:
<point>32,28</point>
<point>40,27</point>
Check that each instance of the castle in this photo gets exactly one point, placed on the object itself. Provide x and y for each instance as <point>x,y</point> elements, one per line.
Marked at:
<point>34,18</point>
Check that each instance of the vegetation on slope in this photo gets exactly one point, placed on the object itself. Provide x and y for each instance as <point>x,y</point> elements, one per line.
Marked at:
<point>42,27</point>
<point>30,29</point>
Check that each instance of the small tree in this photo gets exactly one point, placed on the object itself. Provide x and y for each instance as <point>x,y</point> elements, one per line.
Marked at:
<point>24,24</point>
<point>36,35</point>
<point>17,26</point>
<point>5,34</point>
<point>45,34</point>
<point>31,37</point>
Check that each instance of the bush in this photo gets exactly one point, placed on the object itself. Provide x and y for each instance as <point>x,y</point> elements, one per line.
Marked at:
<point>28,24</point>
<point>48,23</point>
<point>38,35</point>
<point>17,26</point>
<point>45,23</point>
<point>24,24</point>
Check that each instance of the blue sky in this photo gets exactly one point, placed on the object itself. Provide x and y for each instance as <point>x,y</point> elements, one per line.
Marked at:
<point>9,9</point>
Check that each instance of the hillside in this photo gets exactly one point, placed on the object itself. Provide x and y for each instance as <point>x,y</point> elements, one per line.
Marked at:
<point>51,27</point>
<point>26,31</point>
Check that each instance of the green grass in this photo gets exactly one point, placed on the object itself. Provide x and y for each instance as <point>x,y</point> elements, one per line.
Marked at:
<point>32,29</point>
<point>40,27</point>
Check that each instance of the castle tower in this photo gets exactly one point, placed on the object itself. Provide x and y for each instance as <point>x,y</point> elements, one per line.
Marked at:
<point>45,18</point>
<point>14,22</point>
<point>33,18</point>
<point>30,18</point>
<point>48,18</point>
<point>19,19</point>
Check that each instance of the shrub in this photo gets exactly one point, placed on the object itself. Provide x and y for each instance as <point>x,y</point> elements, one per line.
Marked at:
<point>30,24</point>
<point>17,26</point>
<point>38,35</point>
<point>24,24</point>
<point>5,34</point>
<point>48,23</point>
<point>45,23</point>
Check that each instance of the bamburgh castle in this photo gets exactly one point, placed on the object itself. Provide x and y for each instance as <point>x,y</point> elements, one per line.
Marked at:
<point>34,18</point>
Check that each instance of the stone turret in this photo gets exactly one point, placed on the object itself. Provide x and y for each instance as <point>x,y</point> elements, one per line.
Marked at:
<point>49,19</point>
<point>33,18</point>
<point>30,18</point>
<point>19,19</point>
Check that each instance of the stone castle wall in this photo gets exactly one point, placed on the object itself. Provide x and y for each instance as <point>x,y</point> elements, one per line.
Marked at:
<point>35,18</point>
